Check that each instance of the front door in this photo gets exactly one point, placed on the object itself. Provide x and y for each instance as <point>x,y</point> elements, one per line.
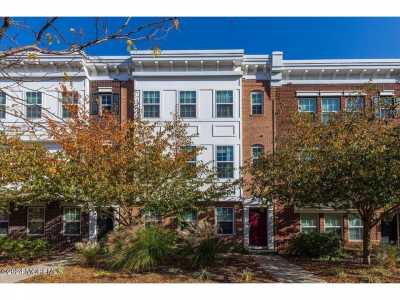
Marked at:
<point>258,227</point>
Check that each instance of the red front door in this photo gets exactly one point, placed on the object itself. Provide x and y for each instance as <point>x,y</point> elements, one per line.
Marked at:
<point>258,227</point>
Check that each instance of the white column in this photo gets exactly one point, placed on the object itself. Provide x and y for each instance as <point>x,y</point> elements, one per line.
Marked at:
<point>92,225</point>
<point>270,228</point>
<point>246,226</point>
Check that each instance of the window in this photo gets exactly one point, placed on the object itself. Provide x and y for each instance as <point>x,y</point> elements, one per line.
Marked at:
<point>257,151</point>
<point>307,105</point>
<point>385,107</point>
<point>308,223</point>
<point>69,100</point>
<point>225,161</point>
<point>3,223</point>
<point>330,106</point>
<point>257,103</point>
<point>35,220</point>
<point>33,105</point>
<point>224,100</point>
<point>110,102</point>
<point>355,228</point>
<point>151,218</point>
<point>3,102</point>
<point>355,104</point>
<point>333,223</point>
<point>72,221</point>
<point>224,220</point>
<point>151,104</point>
<point>190,217</point>
<point>187,102</point>
<point>192,159</point>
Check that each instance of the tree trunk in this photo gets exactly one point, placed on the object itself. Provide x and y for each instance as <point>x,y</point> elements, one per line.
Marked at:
<point>367,244</point>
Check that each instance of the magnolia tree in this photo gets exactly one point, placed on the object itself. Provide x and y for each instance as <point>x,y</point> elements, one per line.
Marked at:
<point>353,162</point>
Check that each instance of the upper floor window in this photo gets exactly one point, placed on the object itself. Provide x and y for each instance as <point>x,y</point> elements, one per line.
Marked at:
<point>192,157</point>
<point>257,103</point>
<point>36,220</point>
<point>355,104</point>
<point>330,106</point>
<point>3,102</point>
<point>385,107</point>
<point>224,100</point>
<point>308,105</point>
<point>308,223</point>
<point>69,101</point>
<point>190,217</point>
<point>225,161</point>
<point>187,104</point>
<point>257,151</point>
<point>3,223</point>
<point>33,105</point>
<point>151,104</point>
<point>104,102</point>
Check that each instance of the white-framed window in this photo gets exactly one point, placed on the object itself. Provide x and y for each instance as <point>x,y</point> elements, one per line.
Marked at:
<point>3,105</point>
<point>309,223</point>
<point>307,104</point>
<point>4,219</point>
<point>225,218</point>
<point>257,151</point>
<point>35,220</point>
<point>225,163</point>
<point>355,228</point>
<point>33,105</point>
<point>385,107</point>
<point>355,104</point>
<point>190,217</point>
<point>187,104</point>
<point>71,221</point>
<point>257,103</point>
<point>151,218</point>
<point>151,104</point>
<point>329,107</point>
<point>68,101</point>
<point>333,224</point>
<point>192,155</point>
<point>224,104</point>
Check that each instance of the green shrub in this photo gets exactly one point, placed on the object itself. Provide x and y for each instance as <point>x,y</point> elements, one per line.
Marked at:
<point>23,249</point>
<point>315,245</point>
<point>201,245</point>
<point>388,256</point>
<point>89,253</point>
<point>140,249</point>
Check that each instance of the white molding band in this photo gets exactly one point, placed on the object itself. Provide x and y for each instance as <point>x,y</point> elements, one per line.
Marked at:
<point>387,93</point>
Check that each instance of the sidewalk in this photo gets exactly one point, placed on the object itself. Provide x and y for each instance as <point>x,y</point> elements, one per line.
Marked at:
<point>284,271</point>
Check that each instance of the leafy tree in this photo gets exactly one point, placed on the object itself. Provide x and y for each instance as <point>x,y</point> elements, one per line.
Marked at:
<point>353,162</point>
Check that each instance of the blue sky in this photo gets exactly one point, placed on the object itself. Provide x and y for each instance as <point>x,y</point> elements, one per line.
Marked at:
<point>299,38</point>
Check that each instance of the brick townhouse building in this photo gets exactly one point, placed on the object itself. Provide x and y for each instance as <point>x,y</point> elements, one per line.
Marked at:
<point>236,107</point>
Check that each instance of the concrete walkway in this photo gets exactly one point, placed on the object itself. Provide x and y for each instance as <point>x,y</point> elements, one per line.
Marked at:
<point>11,274</point>
<point>284,271</point>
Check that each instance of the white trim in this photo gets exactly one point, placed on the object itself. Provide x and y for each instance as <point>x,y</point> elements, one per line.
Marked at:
<point>104,90</point>
<point>185,73</point>
<point>328,94</point>
<point>233,221</point>
<point>387,93</point>
<point>354,93</point>
<point>306,94</point>
<point>80,221</point>
<point>27,220</point>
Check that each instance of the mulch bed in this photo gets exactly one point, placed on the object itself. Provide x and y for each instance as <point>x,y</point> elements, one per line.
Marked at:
<point>348,271</point>
<point>232,268</point>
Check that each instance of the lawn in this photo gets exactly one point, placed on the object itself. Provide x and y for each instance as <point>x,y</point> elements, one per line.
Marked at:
<point>234,268</point>
<point>348,271</point>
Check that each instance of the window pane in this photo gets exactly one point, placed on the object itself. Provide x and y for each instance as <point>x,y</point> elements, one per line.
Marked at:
<point>224,100</point>
<point>333,220</point>
<point>355,221</point>
<point>330,104</point>
<point>307,105</point>
<point>224,153</point>
<point>2,105</point>
<point>188,111</point>
<point>224,220</point>
<point>355,104</point>
<point>308,220</point>
<point>355,234</point>
<point>225,161</point>
<point>36,213</point>
<point>190,216</point>
<point>72,214</point>
<point>257,103</point>
<point>257,151</point>
<point>36,227</point>
<point>72,228</point>
<point>151,104</point>
<point>225,228</point>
